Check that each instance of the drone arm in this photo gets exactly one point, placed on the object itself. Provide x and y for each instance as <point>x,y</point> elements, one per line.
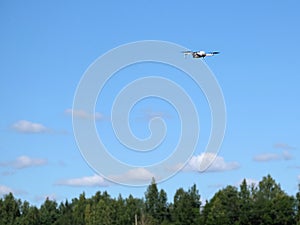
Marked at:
<point>186,53</point>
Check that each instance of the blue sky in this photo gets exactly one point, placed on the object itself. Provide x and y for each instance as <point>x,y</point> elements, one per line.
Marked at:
<point>46,48</point>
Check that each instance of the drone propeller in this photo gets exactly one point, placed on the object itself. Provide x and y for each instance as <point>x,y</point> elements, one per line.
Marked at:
<point>187,52</point>
<point>214,53</point>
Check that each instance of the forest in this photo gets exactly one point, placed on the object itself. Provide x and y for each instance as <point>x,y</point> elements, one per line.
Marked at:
<point>265,203</point>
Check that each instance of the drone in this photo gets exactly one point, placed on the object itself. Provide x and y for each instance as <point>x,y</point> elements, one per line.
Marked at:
<point>199,54</point>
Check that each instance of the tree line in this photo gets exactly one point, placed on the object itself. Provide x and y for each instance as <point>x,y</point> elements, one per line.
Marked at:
<point>265,203</point>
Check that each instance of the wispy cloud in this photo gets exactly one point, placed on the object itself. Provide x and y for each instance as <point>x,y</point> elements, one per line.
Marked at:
<point>7,173</point>
<point>5,190</point>
<point>82,114</point>
<point>134,175</point>
<point>294,167</point>
<point>218,165</point>
<point>149,114</point>
<point>88,181</point>
<point>25,126</point>
<point>265,157</point>
<point>24,162</point>
<point>283,146</point>
<point>286,155</point>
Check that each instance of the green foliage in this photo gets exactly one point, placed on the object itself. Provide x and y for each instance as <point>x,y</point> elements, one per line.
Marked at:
<point>152,200</point>
<point>132,206</point>
<point>265,204</point>
<point>10,209</point>
<point>30,215</point>
<point>224,207</point>
<point>48,212</point>
<point>245,203</point>
<point>65,215</point>
<point>156,205</point>
<point>271,204</point>
<point>79,206</point>
<point>298,206</point>
<point>186,206</point>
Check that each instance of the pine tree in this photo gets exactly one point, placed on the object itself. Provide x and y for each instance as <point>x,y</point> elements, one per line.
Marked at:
<point>186,207</point>
<point>48,212</point>
<point>245,202</point>
<point>79,206</point>
<point>298,206</point>
<point>271,205</point>
<point>223,208</point>
<point>152,200</point>
<point>9,209</point>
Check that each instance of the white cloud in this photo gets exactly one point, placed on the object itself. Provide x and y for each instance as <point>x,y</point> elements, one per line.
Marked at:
<point>83,114</point>
<point>24,162</point>
<point>218,164</point>
<point>265,157</point>
<point>25,126</point>
<point>5,190</point>
<point>138,174</point>
<point>90,181</point>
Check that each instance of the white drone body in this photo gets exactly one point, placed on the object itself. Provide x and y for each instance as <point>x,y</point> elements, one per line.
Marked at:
<point>199,54</point>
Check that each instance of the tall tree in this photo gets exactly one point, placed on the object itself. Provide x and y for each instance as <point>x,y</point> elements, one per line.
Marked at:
<point>194,197</point>
<point>120,216</point>
<point>29,215</point>
<point>10,209</point>
<point>298,206</point>
<point>79,206</point>
<point>88,215</point>
<point>99,210</point>
<point>246,203</point>
<point>223,208</point>
<point>162,207</point>
<point>101,213</point>
<point>65,213</point>
<point>152,200</point>
<point>48,212</point>
<point>133,206</point>
<point>186,206</point>
<point>271,204</point>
